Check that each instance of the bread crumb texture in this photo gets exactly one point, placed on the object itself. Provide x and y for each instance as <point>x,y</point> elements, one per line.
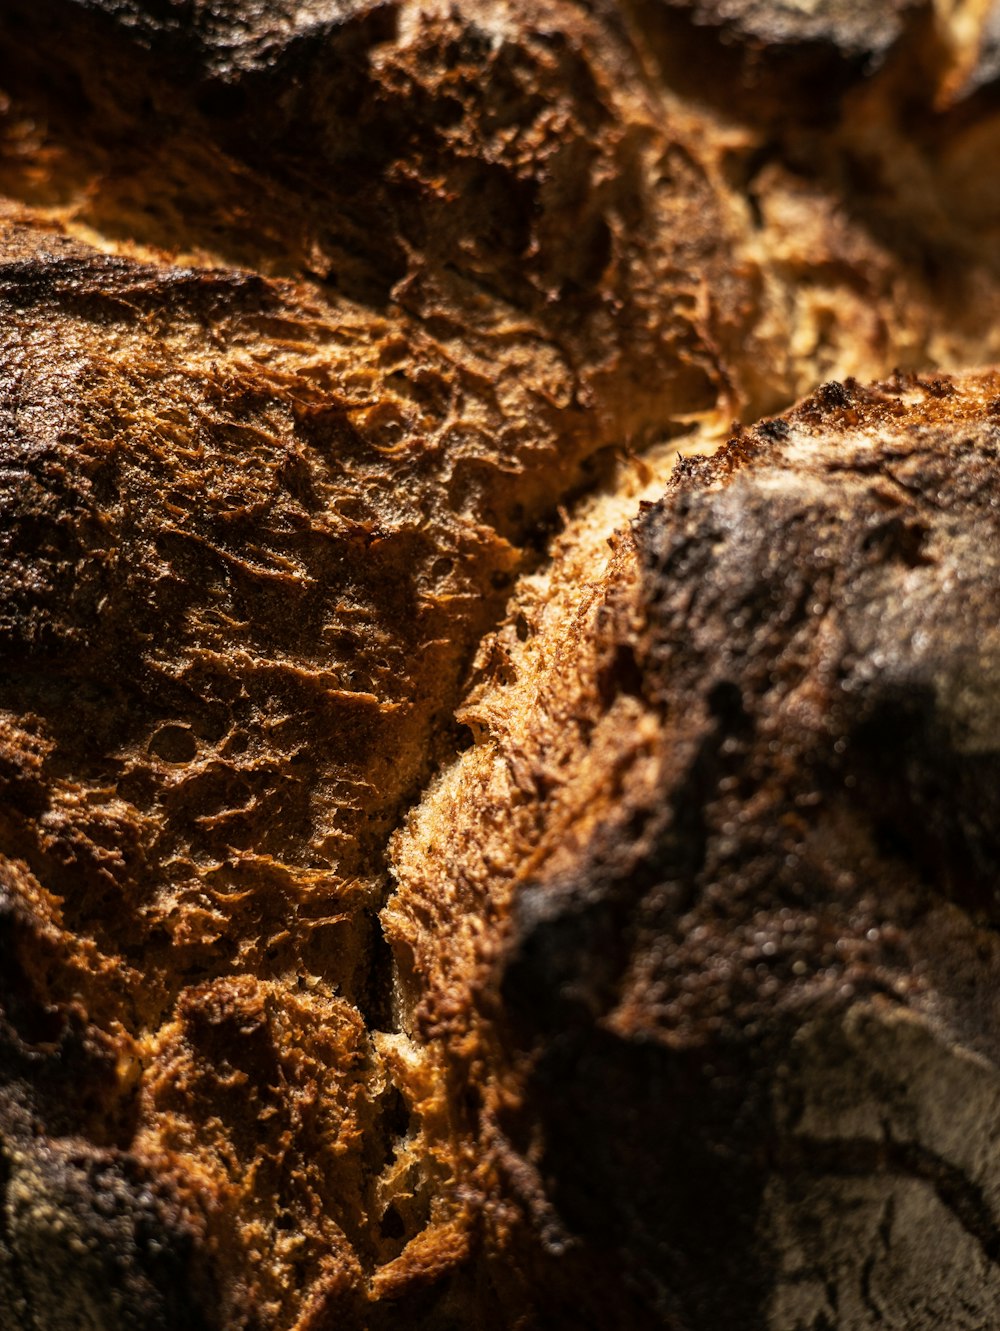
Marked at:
<point>460,865</point>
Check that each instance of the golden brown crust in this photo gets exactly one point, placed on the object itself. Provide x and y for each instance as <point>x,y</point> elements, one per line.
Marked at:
<point>314,317</point>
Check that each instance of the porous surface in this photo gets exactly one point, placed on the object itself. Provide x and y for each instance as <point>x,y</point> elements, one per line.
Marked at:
<point>336,341</point>
<point>717,882</point>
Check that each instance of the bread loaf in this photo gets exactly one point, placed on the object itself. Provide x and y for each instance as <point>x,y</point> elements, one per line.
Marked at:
<point>461,866</point>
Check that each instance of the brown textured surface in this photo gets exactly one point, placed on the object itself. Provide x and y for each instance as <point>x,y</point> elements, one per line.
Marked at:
<point>313,318</point>
<point>746,786</point>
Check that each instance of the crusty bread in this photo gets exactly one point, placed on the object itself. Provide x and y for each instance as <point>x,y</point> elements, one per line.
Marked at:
<point>459,869</point>
<point>730,823</point>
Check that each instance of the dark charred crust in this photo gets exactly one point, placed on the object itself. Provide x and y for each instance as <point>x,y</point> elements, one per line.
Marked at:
<point>842,540</point>
<point>830,778</point>
<point>92,1239</point>
<point>56,272</point>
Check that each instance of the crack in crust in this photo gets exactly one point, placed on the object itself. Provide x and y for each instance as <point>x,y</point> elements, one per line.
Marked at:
<point>773,723</point>
<point>288,405</point>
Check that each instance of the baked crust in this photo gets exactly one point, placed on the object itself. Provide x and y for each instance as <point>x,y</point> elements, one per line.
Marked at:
<point>316,318</point>
<point>728,828</point>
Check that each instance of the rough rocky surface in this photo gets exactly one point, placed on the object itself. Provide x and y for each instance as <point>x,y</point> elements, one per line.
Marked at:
<point>336,340</point>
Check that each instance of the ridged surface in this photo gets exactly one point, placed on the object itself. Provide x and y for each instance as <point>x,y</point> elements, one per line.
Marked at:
<point>337,340</point>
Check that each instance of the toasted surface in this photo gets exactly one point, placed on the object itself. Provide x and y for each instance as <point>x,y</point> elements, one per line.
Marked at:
<point>337,341</point>
<point>728,828</point>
